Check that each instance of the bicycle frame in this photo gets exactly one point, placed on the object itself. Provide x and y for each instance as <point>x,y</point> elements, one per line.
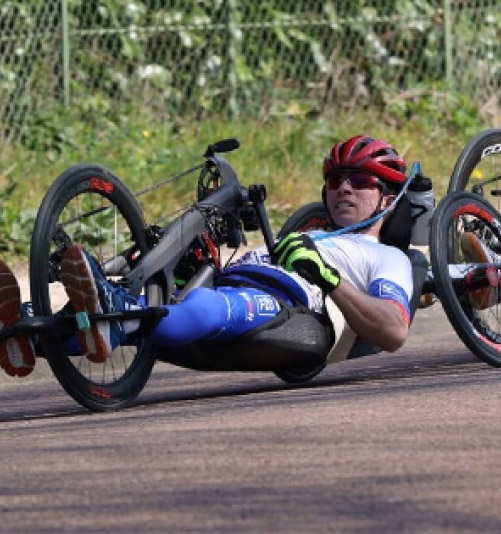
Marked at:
<point>180,233</point>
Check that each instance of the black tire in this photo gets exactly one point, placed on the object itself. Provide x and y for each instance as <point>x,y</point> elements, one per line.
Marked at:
<point>478,168</point>
<point>313,216</point>
<point>473,312</point>
<point>88,205</point>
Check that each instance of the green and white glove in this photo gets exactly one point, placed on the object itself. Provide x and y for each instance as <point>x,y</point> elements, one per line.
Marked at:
<point>297,252</point>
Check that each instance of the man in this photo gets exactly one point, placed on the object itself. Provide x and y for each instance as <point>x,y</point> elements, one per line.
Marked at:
<point>371,283</point>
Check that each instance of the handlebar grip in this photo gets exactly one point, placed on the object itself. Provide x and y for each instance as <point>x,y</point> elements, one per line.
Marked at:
<point>225,145</point>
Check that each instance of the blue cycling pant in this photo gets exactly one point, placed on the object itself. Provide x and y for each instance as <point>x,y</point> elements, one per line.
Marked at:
<point>215,314</point>
<point>219,314</point>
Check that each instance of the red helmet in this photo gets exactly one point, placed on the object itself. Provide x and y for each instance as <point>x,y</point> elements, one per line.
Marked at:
<point>364,153</point>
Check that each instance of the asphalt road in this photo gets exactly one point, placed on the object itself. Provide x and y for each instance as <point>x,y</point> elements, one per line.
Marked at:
<point>404,442</point>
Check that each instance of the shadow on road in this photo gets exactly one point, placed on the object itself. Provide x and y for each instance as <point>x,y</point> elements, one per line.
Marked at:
<point>43,400</point>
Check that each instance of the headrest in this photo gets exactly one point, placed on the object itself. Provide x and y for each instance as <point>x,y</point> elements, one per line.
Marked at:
<point>396,229</point>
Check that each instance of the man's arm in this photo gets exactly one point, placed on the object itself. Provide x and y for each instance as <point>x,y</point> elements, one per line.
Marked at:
<point>381,322</point>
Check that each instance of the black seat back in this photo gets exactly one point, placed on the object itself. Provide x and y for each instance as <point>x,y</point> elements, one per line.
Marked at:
<point>396,229</point>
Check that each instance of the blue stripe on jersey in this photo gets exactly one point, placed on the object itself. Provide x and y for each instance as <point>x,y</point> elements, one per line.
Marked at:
<point>382,288</point>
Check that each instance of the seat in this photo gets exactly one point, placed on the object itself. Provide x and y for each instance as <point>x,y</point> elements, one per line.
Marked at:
<point>296,338</point>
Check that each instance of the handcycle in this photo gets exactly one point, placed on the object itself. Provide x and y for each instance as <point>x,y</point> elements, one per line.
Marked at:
<point>89,205</point>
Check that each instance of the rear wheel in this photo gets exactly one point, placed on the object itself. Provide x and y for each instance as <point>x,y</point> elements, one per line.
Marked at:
<point>465,249</point>
<point>88,205</point>
<point>313,216</point>
<point>478,168</point>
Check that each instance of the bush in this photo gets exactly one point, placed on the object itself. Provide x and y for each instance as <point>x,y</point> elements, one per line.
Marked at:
<point>284,152</point>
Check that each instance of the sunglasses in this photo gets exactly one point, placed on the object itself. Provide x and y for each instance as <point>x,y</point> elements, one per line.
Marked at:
<point>356,180</point>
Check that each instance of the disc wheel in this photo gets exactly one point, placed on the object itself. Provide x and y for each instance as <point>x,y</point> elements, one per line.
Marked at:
<point>313,216</point>
<point>90,206</point>
<point>478,168</point>
<point>469,287</point>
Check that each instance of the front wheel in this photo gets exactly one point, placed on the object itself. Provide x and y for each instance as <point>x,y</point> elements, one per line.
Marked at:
<point>90,206</point>
<point>313,216</point>
<point>465,250</point>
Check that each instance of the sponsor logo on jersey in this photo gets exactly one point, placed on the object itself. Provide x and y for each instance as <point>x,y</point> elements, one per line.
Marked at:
<point>266,305</point>
<point>254,257</point>
<point>389,290</point>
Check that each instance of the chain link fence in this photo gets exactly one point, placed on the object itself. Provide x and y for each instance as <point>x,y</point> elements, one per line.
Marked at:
<point>174,57</point>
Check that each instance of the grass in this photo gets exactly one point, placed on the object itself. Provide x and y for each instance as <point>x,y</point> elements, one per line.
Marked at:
<point>284,153</point>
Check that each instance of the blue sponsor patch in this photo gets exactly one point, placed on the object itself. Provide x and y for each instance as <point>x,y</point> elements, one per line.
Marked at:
<point>388,290</point>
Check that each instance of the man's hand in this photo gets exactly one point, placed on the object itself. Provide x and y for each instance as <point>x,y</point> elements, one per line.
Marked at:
<point>297,252</point>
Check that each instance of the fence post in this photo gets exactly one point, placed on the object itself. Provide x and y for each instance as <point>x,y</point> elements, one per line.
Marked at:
<point>230,57</point>
<point>448,42</point>
<point>65,52</point>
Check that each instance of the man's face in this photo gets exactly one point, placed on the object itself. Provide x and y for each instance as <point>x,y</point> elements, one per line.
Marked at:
<point>349,205</point>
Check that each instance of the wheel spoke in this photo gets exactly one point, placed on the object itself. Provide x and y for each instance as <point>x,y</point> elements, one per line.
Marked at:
<point>105,221</point>
<point>465,238</point>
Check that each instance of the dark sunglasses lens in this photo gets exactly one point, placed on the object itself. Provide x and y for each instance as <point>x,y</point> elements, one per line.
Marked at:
<point>363,181</point>
<point>357,181</point>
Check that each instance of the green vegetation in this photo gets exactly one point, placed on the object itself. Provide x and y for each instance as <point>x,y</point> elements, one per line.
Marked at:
<point>284,151</point>
<point>245,57</point>
<point>223,54</point>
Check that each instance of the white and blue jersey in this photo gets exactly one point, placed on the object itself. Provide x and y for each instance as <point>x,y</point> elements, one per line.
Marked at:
<point>378,270</point>
<point>227,311</point>
<point>375,269</point>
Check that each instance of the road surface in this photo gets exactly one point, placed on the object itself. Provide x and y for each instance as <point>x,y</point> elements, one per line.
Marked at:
<point>404,442</point>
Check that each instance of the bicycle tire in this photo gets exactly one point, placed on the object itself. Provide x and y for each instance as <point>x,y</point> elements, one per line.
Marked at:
<point>67,212</point>
<point>478,167</point>
<point>312,216</point>
<point>457,213</point>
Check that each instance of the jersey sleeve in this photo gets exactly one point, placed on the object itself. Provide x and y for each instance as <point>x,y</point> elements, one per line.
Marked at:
<point>392,280</point>
<point>388,290</point>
